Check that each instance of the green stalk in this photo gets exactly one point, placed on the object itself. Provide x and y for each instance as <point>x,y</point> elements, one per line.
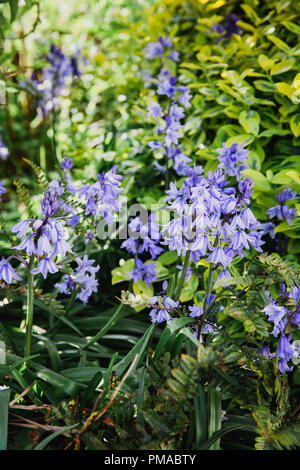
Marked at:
<point>205,306</point>
<point>106,327</point>
<point>183,274</point>
<point>54,141</point>
<point>166,169</point>
<point>29,313</point>
<point>4,407</point>
<point>209,285</point>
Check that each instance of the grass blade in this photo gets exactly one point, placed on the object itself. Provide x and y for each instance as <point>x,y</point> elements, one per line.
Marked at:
<point>4,404</point>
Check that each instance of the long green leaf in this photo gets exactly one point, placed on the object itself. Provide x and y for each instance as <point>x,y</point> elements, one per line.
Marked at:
<point>201,418</point>
<point>4,405</point>
<point>50,438</point>
<point>169,331</point>
<point>139,349</point>
<point>214,423</point>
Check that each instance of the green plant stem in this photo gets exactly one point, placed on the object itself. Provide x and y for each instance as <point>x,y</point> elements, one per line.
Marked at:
<point>209,285</point>
<point>205,306</point>
<point>106,327</point>
<point>183,274</point>
<point>29,313</point>
<point>54,142</point>
<point>166,169</point>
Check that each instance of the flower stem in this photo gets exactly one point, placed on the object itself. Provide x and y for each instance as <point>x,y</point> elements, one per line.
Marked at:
<point>29,313</point>
<point>166,169</point>
<point>209,285</point>
<point>183,274</point>
<point>205,306</point>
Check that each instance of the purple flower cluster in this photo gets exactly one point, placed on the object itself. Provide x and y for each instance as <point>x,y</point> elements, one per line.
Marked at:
<point>284,320</point>
<point>45,238</point>
<point>144,237</point>
<point>230,158</point>
<point>143,272</point>
<point>282,211</point>
<point>212,220</point>
<point>101,198</point>
<point>230,27</point>
<point>83,280</point>
<point>55,79</point>
<point>161,308</point>
<point>158,49</point>
<point>177,99</point>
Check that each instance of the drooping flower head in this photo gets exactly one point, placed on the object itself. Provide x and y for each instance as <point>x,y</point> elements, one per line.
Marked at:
<point>230,159</point>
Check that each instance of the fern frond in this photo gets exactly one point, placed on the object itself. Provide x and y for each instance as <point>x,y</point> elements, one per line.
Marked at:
<point>290,273</point>
<point>42,179</point>
<point>24,196</point>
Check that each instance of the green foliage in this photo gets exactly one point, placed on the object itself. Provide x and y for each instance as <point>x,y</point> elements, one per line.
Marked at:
<point>178,393</point>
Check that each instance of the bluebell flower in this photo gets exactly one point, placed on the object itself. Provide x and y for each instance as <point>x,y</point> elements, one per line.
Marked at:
<point>7,273</point>
<point>153,50</point>
<point>154,110</point>
<point>286,195</point>
<point>283,366</point>
<point>195,311</point>
<point>148,236</point>
<point>265,351</point>
<point>45,266</point>
<point>167,87</point>
<point>274,312</point>
<point>296,294</point>
<point>73,221</point>
<point>231,157</point>
<point>83,279</point>
<point>54,80</point>
<point>174,55</point>
<point>66,164</point>
<point>66,286</point>
<point>268,228</point>
<point>102,197</point>
<point>285,350</point>
<point>281,210</point>
<point>162,307</point>
<point>218,256</point>
<point>185,97</point>
<point>204,211</point>
<point>229,28</point>
<point>49,203</point>
<point>143,272</point>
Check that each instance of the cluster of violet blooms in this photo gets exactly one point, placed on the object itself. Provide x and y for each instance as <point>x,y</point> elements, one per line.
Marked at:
<point>176,98</point>
<point>54,80</point>
<point>229,28</point>
<point>232,161</point>
<point>144,238</point>
<point>284,320</point>
<point>47,238</point>
<point>281,211</point>
<point>212,220</point>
